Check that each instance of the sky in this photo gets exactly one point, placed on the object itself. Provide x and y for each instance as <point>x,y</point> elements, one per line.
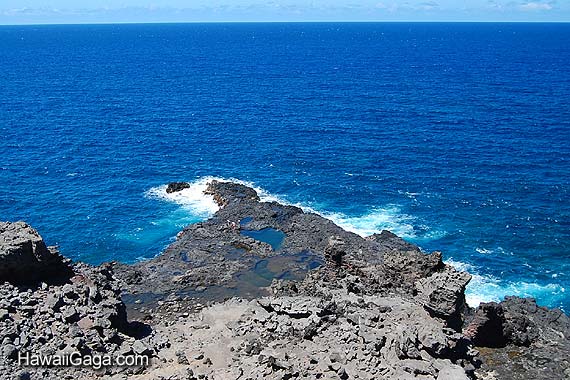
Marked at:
<point>114,11</point>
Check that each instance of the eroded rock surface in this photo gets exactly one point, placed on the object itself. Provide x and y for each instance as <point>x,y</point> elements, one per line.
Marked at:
<point>323,303</point>
<point>81,313</point>
<point>520,340</point>
<point>25,258</point>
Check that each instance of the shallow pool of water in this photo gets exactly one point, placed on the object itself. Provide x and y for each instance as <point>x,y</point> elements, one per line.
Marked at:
<point>270,236</point>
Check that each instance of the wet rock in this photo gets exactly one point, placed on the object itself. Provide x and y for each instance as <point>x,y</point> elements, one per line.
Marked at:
<point>174,187</point>
<point>226,192</point>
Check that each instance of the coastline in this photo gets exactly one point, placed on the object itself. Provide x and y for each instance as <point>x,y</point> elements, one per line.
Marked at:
<point>315,301</point>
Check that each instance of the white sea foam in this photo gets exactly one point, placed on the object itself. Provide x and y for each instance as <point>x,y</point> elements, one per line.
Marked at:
<point>488,251</point>
<point>482,288</point>
<point>488,288</point>
<point>390,217</point>
<point>191,199</point>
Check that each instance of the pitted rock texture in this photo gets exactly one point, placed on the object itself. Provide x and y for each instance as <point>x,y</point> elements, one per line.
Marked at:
<point>208,308</point>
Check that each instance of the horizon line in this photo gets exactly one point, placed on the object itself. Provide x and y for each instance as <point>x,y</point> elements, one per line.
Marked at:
<point>296,22</point>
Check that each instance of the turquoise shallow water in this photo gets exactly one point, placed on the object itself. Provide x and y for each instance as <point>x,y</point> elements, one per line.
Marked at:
<point>454,136</point>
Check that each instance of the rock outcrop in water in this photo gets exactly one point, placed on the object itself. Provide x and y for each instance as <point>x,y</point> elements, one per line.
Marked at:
<point>267,291</point>
<point>174,187</point>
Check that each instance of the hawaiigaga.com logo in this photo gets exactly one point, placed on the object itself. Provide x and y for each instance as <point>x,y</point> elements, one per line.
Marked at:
<point>75,359</point>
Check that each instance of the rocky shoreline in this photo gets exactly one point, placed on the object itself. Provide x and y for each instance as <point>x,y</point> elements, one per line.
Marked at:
<point>267,291</point>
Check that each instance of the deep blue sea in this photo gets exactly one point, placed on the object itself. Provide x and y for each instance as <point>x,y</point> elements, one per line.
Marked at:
<point>454,136</point>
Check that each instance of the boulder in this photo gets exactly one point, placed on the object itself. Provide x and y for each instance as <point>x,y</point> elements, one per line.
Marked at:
<point>443,295</point>
<point>406,260</point>
<point>174,187</point>
<point>25,258</point>
<point>486,329</point>
<point>516,321</point>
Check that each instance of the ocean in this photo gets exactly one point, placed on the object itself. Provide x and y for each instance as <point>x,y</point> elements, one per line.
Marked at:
<point>455,136</point>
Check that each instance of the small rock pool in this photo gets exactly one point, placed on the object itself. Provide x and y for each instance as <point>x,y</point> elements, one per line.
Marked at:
<point>271,236</point>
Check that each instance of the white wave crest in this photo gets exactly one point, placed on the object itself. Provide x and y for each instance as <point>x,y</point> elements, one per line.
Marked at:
<point>482,288</point>
<point>387,218</point>
<point>488,288</point>
<point>192,199</point>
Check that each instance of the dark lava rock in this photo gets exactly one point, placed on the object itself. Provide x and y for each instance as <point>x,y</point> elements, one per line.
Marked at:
<point>76,309</point>
<point>174,187</point>
<point>520,340</point>
<point>334,250</point>
<point>226,192</point>
<point>487,326</point>
<point>375,307</point>
<point>25,259</point>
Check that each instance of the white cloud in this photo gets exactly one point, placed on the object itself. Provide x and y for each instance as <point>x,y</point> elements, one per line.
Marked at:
<point>387,7</point>
<point>534,6</point>
<point>428,6</point>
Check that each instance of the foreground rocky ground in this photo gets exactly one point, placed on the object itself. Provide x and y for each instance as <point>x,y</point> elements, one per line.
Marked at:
<point>267,291</point>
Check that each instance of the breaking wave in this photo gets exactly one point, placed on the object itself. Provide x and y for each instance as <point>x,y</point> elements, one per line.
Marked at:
<point>389,217</point>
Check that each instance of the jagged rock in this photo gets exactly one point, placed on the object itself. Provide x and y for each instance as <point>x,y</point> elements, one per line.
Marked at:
<point>534,342</point>
<point>517,321</point>
<point>174,187</point>
<point>70,314</point>
<point>487,326</point>
<point>353,308</point>
<point>334,251</point>
<point>9,351</point>
<point>444,295</point>
<point>392,242</point>
<point>25,259</point>
<point>56,316</point>
<point>181,357</point>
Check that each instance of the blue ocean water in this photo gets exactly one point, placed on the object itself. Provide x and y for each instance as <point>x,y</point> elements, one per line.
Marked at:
<point>455,136</point>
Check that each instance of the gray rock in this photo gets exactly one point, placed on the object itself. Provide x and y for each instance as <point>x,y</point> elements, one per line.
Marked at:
<point>356,308</point>
<point>335,250</point>
<point>181,358</point>
<point>444,295</point>
<point>9,351</point>
<point>70,314</point>
<point>141,348</point>
<point>4,314</point>
<point>25,259</point>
